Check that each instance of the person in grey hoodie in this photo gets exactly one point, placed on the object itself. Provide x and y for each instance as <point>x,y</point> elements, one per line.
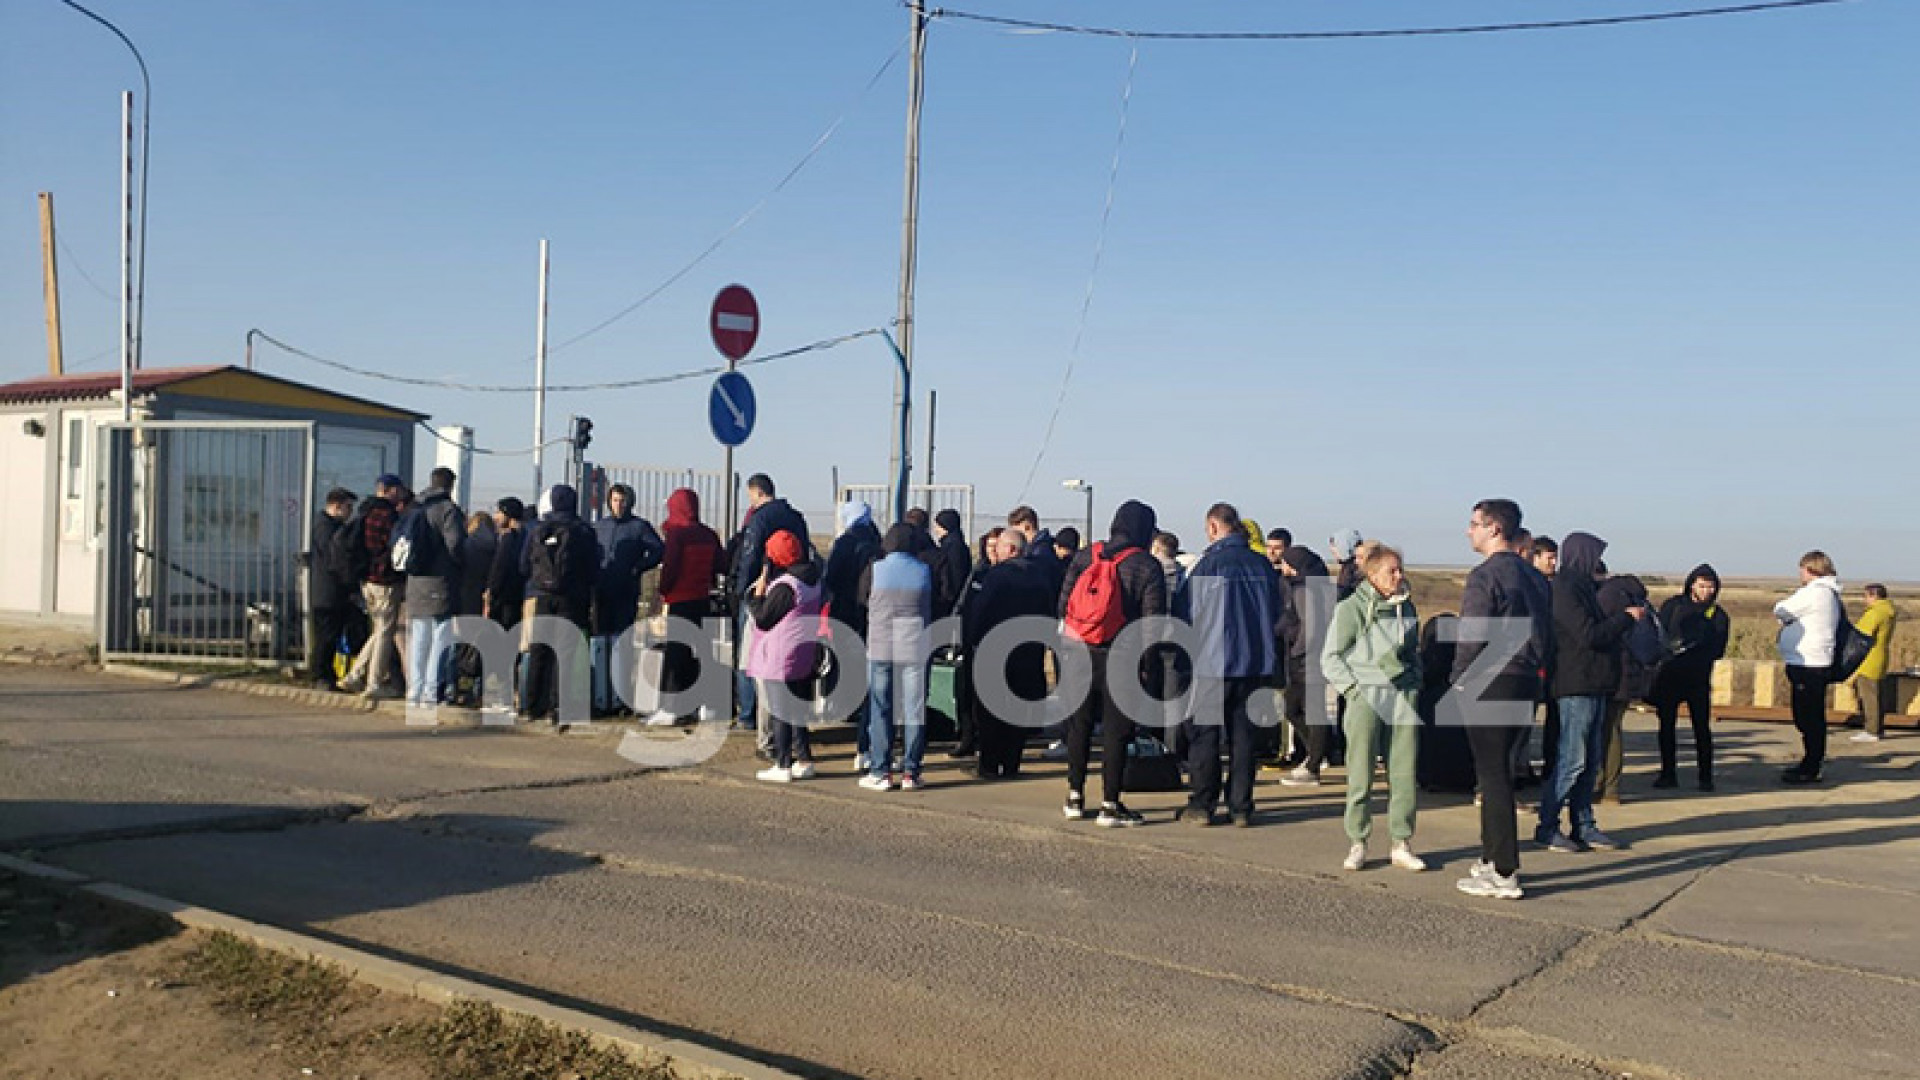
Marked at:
<point>1586,674</point>
<point>433,591</point>
<point>897,592</point>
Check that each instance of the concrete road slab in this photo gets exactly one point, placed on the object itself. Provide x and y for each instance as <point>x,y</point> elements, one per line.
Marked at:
<point>848,985</point>
<point>1711,1013</point>
<point>1478,1060</point>
<point>1071,881</point>
<point>1856,927</point>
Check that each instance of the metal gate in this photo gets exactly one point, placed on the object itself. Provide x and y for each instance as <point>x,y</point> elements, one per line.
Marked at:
<point>934,497</point>
<point>202,529</point>
<point>652,485</point>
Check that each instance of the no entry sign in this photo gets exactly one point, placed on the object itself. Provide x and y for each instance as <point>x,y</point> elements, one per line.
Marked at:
<point>735,322</point>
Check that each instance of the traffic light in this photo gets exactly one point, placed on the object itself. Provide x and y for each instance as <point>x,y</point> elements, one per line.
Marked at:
<point>582,433</point>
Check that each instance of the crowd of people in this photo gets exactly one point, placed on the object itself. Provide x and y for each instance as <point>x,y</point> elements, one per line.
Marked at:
<point>1238,642</point>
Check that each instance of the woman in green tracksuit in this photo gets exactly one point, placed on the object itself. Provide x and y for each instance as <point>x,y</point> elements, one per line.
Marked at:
<point>1372,657</point>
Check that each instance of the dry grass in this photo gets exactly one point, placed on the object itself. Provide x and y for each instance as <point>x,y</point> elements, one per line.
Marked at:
<point>1749,604</point>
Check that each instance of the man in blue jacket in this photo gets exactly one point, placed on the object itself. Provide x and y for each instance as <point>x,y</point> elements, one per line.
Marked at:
<point>897,592</point>
<point>629,547</point>
<point>1233,600</point>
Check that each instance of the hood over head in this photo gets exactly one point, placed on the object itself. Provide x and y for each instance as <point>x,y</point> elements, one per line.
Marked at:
<point>853,512</point>
<point>949,522</point>
<point>1343,543</point>
<point>900,537</point>
<point>1580,555</point>
<point>1304,561</point>
<point>1134,525</point>
<point>1704,570</point>
<point>683,507</point>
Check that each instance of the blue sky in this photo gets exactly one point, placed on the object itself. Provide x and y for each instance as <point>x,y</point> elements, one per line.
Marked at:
<point>1656,282</point>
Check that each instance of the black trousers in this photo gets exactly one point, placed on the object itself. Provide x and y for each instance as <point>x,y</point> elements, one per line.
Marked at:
<point>328,624</point>
<point>1809,697</point>
<point>999,742</point>
<point>1316,738</point>
<point>1116,733</point>
<point>1698,698</point>
<point>679,667</point>
<point>1215,700</point>
<point>1493,764</point>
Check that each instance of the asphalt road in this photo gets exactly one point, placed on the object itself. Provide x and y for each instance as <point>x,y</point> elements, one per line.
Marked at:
<point>968,931</point>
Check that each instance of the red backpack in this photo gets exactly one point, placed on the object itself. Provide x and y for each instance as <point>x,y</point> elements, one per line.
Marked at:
<point>1094,612</point>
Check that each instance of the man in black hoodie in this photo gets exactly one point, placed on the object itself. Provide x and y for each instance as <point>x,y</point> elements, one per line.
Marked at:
<point>1303,621</point>
<point>951,564</point>
<point>1500,588</point>
<point>1697,632</point>
<point>1142,592</point>
<point>561,559</point>
<point>1586,674</point>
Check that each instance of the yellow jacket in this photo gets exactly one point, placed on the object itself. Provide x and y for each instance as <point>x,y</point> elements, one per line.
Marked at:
<point>1877,624</point>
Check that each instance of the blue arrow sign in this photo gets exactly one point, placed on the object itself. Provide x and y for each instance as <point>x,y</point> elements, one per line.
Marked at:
<point>730,409</point>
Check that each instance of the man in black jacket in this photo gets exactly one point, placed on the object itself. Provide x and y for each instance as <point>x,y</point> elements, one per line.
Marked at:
<point>1142,593</point>
<point>561,558</point>
<point>1309,608</point>
<point>1698,630</point>
<point>1012,588</point>
<point>1499,593</point>
<point>1586,673</point>
<point>330,589</point>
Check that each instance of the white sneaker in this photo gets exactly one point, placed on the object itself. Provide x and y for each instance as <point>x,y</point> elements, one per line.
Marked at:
<point>1405,859</point>
<point>861,762</point>
<point>912,783</point>
<point>876,783</point>
<point>1356,857</point>
<point>1492,886</point>
<point>1864,736</point>
<point>802,770</point>
<point>775,775</point>
<point>1301,777</point>
<point>662,719</point>
<point>1055,751</point>
<point>1480,868</point>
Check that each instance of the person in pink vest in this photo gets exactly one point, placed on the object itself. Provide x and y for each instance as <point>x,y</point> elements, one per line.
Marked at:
<point>785,604</point>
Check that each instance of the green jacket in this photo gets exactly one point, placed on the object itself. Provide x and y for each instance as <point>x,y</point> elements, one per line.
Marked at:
<point>1877,624</point>
<point>1373,651</point>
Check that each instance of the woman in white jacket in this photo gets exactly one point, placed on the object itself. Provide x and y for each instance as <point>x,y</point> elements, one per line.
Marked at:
<point>1809,621</point>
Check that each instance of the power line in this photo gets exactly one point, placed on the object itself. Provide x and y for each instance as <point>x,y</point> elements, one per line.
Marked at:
<point>1391,32</point>
<point>671,279</point>
<point>429,429</point>
<point>74,262</point>
<point>625,384</point>
<point>1093,275</point>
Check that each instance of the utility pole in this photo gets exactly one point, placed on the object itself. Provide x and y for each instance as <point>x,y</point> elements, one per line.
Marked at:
<point>900,461</point>
<point>50,270</point>
<point>126,256</point>
<point>933,407</point>
<point>540,382</point>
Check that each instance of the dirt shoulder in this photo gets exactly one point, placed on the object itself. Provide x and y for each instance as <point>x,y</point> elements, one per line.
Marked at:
<point>90,989</point>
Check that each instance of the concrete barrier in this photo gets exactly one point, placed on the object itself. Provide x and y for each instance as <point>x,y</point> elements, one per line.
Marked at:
<point>1761,684</point>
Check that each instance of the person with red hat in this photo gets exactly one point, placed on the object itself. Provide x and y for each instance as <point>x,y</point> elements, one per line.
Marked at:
<point>786,649</point>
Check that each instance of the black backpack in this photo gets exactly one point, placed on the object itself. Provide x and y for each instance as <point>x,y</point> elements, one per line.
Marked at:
<point>561,557</point>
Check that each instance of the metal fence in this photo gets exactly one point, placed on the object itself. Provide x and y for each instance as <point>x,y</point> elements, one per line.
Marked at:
<point>933,497</point>
<point>202,526</point>
<point>651,485</point>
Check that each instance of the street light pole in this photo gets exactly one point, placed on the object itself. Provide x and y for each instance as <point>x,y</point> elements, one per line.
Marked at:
<point>1082,485</point>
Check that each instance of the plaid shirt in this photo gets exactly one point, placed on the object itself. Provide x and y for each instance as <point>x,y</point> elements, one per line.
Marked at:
<point>377,534</point>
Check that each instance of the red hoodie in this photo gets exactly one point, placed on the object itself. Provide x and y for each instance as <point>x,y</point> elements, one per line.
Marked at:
<point>694,556</point>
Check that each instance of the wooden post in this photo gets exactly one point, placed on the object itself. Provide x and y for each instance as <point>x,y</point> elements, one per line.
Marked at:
<point>50,269</point>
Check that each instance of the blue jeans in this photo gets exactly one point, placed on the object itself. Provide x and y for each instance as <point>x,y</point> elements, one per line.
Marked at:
<point>429,652</point>
<point>1583,747</point>
<point>912,685</point>
<point>602,649</point>
<point>742,682</point>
